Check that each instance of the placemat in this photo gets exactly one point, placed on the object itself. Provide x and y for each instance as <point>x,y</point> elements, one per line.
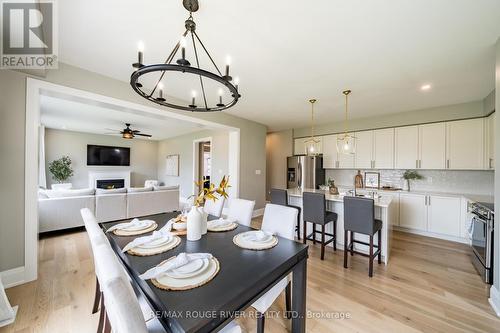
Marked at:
<point>229,227</point>
<point>253,246</point>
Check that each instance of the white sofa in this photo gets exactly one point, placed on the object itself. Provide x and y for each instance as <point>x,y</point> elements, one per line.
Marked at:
<point>63,212</point>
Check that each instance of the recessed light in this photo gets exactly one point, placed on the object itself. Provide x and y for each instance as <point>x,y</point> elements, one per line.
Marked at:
<point>425,87</point>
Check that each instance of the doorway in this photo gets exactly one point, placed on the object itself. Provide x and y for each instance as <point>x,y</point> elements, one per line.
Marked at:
<point>205,162</point>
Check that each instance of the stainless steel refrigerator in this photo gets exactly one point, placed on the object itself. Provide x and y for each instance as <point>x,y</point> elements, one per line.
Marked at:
<point>305,172</point>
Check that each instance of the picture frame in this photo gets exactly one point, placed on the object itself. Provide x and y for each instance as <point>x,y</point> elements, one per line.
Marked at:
<point>172,165</point>
<point>372,180</point>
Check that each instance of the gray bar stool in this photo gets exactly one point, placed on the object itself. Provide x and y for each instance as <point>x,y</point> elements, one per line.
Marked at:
<point>314,207</point>
<point>280,197</point>
<point>359,216</point>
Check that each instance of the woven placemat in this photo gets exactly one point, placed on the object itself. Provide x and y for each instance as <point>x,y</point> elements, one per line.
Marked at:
<point>136,251</point>
<point>120,232</point>
<point>230,227</point>
<point>265,246</point>
<point>196,284</point>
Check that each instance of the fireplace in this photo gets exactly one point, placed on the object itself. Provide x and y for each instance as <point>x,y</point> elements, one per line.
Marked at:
<point>110,183</point>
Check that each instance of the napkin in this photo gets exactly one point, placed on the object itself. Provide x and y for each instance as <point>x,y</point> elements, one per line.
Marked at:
<point>180,260</point>
<point>220,222</point>
<point>257,236</point>
<point>146,239</point>
<point>134,223</point>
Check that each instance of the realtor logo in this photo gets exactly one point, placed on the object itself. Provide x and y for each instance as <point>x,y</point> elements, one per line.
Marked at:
<point>29,35</point>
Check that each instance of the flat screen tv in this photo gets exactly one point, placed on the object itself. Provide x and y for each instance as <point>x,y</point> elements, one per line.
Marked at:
<point>107,155</point>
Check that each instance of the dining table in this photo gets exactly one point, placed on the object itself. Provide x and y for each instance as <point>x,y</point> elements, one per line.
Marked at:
<point>244,276</point>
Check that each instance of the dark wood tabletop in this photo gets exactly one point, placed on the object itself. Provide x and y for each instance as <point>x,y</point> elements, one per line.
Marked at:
<point>244,276</point>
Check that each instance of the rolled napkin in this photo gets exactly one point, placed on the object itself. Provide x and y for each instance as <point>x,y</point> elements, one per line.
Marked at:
<point>180,260</point>
<point>147,239</point>
<point>220,222</point>
<point>257,236</point>
<point>134,223</point>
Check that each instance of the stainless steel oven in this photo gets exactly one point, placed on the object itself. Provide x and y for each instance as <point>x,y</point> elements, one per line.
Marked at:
<point>482,239</point>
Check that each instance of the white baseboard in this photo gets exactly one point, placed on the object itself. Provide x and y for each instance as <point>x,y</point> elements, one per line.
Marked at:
<point>431,234</point>
<point>13,277</point>
<point>258,212</point>
<point>495,300</point>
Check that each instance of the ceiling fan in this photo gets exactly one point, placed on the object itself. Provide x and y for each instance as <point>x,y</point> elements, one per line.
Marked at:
<point>128,133</point>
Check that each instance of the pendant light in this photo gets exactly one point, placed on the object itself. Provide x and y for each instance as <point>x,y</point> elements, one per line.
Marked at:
<point>346,143</point>
<point>312,144</point>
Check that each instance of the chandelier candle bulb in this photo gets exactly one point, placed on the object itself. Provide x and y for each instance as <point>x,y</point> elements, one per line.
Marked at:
<point>183,47</point>
<point>140,55</point>
<point>160,90</point>
<point>221,92</point>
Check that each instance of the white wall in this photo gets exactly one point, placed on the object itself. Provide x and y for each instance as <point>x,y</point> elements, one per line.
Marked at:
<point>279,145</point>
<point>183,146</point>
<point>143,155</point>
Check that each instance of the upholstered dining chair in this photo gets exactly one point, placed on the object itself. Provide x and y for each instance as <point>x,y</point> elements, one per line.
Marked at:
<point>214,207</point>
<point>280,197</point>
<point>280,220</point>
<point>241,210</point>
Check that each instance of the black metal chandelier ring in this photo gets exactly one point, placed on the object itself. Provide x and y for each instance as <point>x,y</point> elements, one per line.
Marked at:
<point>134,79</point>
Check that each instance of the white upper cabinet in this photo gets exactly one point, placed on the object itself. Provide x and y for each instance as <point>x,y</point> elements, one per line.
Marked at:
<point>330,160</point>
<point>383,148</point>
<point>406,147</point>
<point>490,141</point>
<point>299,147</point>
<point>465,144</point>
<point>444,215</point>
<point>432,143</point>
<point>364,149</point>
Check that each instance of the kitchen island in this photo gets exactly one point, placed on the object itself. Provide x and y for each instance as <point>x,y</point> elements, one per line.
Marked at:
<point>384,211</point>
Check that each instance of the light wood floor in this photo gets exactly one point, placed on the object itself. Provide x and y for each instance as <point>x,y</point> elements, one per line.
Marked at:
<point>430,285</point>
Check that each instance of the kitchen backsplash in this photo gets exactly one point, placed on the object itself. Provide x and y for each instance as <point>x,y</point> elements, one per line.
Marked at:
<point>471,182</point>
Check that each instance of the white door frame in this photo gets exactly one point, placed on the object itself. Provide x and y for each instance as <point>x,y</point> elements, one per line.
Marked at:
<point>196,159</point>
<point>35,88</point>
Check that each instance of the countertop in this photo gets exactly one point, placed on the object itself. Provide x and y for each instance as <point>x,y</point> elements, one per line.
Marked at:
<point>383,201</point>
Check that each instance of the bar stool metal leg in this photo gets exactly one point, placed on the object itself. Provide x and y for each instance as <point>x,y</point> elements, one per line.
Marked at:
<point>314,233</point>
<point>304,234</point>
<point>322,242</point>
<point>379,247</point>
<point>352,243</point>
<point>370,267</point>
<point>346,246</point>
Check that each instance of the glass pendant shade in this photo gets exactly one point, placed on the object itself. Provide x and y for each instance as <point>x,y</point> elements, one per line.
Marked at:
<point>312,146</point>
<point>346,144</point>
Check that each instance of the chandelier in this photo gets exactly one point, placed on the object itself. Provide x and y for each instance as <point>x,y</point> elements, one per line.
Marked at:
<point>156,73</point>
<point>312,144</point>
<point>346,143</point>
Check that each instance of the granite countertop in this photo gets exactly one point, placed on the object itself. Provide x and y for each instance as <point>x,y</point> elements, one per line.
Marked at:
<point>384,201</point>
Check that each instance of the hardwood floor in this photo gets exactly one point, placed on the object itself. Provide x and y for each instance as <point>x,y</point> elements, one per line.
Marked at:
<point>430,285</point>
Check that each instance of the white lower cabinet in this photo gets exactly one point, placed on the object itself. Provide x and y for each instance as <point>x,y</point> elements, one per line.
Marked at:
<point>435,214</point>
<point>413,211</point>
<point>443,214</point>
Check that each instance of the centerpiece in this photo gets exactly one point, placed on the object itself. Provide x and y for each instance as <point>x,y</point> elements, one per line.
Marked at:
<point>197,218</point>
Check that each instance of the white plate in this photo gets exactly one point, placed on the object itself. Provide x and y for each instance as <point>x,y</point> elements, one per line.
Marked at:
<point>194,268</point>
<point>248,237</point>
<point>157,243</point>
<point>215,224</point>
<point>179,225</point>
<point>144,224</point>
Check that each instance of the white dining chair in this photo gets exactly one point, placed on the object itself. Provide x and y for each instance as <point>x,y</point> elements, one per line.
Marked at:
<point>96,237</point>
<point>214,208</point>
<point>280,220</point>
<point>241,210</point>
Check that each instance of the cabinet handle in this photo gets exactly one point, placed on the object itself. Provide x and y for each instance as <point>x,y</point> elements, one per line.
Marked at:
<point>447,164</point>
<point>373,164</point>
<point>420,164</point>
<point>489,163</point>
<point>426,200</point>
<point>416,164</point>
<point>429,200</point>
<point>337,164</point>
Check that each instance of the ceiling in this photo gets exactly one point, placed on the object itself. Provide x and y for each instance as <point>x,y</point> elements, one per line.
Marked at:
<point>286,52</point>
<point>70,115</point>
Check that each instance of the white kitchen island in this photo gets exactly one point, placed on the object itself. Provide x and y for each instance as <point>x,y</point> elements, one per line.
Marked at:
<point>384,211</point>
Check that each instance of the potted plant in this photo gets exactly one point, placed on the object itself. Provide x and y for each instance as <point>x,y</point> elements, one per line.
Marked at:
<point>331,185</point>
<point>61,169</point>
<point>411,175</point>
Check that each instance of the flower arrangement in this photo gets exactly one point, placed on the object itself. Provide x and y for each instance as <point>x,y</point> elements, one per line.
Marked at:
<point>205,194</point>
<point>61,169</point>
<point>411,175</point>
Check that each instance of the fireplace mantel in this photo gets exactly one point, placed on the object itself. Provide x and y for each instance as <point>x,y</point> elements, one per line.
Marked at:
<point>94,176</point>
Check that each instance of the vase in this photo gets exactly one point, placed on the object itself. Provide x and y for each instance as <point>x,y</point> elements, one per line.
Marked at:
<point>204,220</point>
<point>194,224</point>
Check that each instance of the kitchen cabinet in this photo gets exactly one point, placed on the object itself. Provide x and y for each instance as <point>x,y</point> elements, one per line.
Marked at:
<point>443,215</point>
<point>432,146</point>
<point>465,144</point>
<point>413,211</point>
<point>364,150</point>
<point>299,147</point>
<point>330,160</point>
<point>490,141</point>
<point>383,148</point>
<point>406,147</point>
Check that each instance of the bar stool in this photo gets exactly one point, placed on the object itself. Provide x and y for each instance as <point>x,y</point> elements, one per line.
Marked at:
<point>280,197</point>
<point>359,216</point>
<point>314,206</point>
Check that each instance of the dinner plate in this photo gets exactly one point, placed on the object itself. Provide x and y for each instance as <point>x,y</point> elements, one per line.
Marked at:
<point>249,235</point>
<point>193,268</point>
<point>144,224</point>
<point>157,243</point>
